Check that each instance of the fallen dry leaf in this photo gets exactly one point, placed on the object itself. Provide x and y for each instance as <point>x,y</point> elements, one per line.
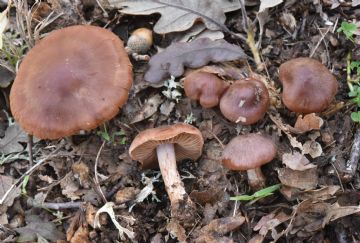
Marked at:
<point>270,222</point>
<point>308,122</point>
<point>210,195</point>
<point>81,171</point>
<point>36,225</point>
<point>299,179</point>
<point>313,215</point>
<point>10,142</point>
<point>4,22</point>
<point>336,211</point>
<point>256,239</point>
<point>312,148</point>
<point>296,161</point>
<point>179,15</point>
<point>6,77</point>
<point>175,229</point>
<point>126,194</point>
<point>268,4</point>
<point>194,54</point>
<point>148,109</point>
<point>218,227</point>
<point>70,187</point>
<point>5,183</point>
<point>325,193</point>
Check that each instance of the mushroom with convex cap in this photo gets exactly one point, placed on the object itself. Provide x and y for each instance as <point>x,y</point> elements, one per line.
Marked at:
<point>76,78</point>
<point>205,87</point>
<point>245,101</point>
<point>308,86</point>
<point>248,153</point>
<point>163,146</point>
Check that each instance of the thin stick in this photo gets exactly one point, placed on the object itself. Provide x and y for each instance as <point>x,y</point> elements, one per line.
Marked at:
<point>106,15</point>
<point>56,206</point>
<point>97,184</point>
<point>250,40</point>
<point>28,172</point>
<point>321,39</point>
<point>30,148</point>
<point>352,163</point>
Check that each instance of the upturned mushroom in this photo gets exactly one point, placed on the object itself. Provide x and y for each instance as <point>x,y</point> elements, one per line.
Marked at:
<point>245,102</point>
<point>248,153</point>
<point>308,86</point>
<point>74,79</point>
<point>205,87</point>
<point>163,146</point>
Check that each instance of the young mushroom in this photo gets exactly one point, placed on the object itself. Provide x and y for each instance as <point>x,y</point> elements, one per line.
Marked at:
<point>205,87</point>
<point>163,146</point>
<point>308,86</point>
<point>246,101</point>
<point>249,152</point>
<point>76,78</point>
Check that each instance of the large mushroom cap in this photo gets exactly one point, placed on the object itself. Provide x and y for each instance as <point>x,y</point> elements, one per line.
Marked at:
<point>308,85</point>
<point>245,102</point>
<point>187,140</point>
<point>248,151</point>
<point>74,79</point>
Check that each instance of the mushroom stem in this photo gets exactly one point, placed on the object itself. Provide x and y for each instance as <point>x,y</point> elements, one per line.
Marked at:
<point>169,172</point>
<point>256,179</point>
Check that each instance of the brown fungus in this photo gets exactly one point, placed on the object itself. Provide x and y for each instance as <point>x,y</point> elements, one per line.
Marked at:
<point>74,79</point>
<point>246,101</point>
<point>164,146</point>
<point>249,152</point>
<point>308,86</point>
<point>205,87</point>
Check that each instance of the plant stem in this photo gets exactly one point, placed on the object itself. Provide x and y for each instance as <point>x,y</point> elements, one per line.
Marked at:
<point>348,72</point>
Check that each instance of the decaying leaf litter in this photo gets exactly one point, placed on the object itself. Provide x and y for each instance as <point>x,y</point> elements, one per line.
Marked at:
<point>87,188</point>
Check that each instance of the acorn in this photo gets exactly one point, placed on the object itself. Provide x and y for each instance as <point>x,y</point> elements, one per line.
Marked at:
<point>140,41</point>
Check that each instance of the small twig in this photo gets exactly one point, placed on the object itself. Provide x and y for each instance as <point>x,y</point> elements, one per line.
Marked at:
<point>30,148</point>
<point>250,40</point>
<point>55,206</point>
<point>106,15</point>
<point>97,184</point>
<point>338,175</point>
<point>28,172</point>
<point>319,42</point>
<point>352,163</point>
<point>114,189</point>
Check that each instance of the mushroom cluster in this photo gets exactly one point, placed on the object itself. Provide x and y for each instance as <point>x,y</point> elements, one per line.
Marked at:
<point>69,82</point>
<point>245,101</point>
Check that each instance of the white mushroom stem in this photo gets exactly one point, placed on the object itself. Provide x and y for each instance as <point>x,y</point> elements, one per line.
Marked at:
<point>256,179</point>
<point>167,163</point>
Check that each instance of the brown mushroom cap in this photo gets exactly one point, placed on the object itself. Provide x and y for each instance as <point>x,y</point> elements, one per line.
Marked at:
<point>246,101</point>
<point>308,85</point>
<point>205,87</point>
<point>74,79</point>
<point>187,140</point>
<point>248,151</point>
